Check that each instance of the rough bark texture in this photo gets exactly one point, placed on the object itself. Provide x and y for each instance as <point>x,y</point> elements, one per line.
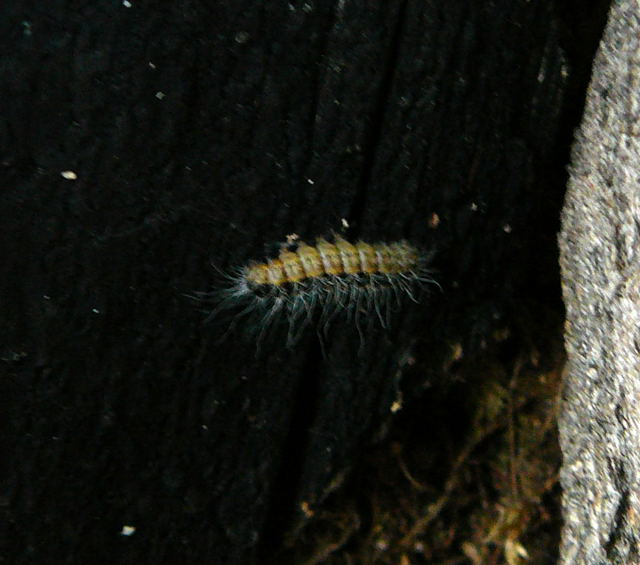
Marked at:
<point>600,259</point>
<point>200,131</point>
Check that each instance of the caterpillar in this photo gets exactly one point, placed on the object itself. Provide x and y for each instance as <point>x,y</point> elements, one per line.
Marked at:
<point>320,282</point>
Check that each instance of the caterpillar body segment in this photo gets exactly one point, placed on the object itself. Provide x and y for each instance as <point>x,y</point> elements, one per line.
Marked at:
<point>318,283</point>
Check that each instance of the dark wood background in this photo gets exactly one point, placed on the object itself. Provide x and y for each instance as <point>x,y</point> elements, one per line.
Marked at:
<point>204,132</point>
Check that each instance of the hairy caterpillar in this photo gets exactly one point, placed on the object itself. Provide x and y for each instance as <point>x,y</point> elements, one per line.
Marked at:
<point>319,282</point>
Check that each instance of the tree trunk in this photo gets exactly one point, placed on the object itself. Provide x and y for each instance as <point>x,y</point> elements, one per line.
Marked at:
<point>599,242</point>
<point>142,142</point>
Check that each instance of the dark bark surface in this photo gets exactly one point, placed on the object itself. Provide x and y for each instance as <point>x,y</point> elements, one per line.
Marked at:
<point>202,132</point>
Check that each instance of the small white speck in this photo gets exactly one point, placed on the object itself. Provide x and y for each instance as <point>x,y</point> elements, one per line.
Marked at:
<point>205,427</point>
<point>242,37</point>
<point>382,545</point>
<point>46,297</point>
<point>126,3</point>
<point>507,228</point>
<point>69,175</point>
<point>95,311</point>
<point>151,65</point>
<point>127,530</point>
<point>160,95</point>
<point>345,224</point>
<point>310,181</point>
<point>474,207</point>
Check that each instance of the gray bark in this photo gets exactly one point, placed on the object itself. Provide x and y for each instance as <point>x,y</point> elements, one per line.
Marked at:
<point>599,243</point>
